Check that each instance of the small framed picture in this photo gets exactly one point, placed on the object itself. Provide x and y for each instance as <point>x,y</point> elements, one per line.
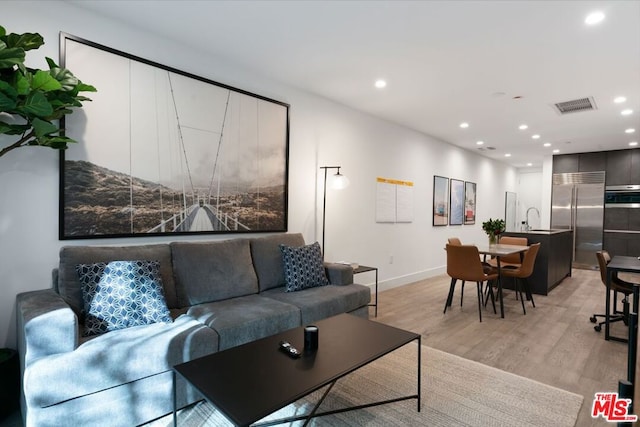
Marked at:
<point>440,200</point>
<point>456,203</point>
<point>469,203</point>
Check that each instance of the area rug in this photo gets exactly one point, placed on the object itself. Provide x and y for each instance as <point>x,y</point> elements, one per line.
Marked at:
<point>455,392</point>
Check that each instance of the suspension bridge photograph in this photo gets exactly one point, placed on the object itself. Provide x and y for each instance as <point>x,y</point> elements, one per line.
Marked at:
<point>161,151</point>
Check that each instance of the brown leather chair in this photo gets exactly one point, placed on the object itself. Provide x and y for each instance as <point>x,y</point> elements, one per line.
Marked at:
<point>486,267</point>
<point>617,285</point>
<point>463,263</point>
<point>513,259</point>
<point>521,273</point>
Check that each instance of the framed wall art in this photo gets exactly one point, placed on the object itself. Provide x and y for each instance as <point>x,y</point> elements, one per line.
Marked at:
<point>469,203</point>
<point>161,151</point>
<point>456,197</point>
<point>440,200</point>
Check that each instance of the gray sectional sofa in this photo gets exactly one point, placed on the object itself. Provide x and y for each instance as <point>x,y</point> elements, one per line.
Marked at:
<point>219,295</point>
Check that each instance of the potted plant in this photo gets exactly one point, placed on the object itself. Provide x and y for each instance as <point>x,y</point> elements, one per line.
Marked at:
<point>493,228</point>
<point>32,101</point>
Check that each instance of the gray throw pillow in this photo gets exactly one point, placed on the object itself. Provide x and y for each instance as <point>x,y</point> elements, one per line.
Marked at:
<point>303,267</point>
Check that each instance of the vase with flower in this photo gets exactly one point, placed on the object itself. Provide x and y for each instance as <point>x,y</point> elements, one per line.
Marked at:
<point>493,228</point>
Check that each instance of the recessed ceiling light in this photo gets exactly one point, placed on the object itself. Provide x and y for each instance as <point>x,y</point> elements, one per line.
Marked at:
<point>630,130</point>
<point>480,142</point>
<point>464,125</point>
<point>547,144</point>
<point>536,136</point>
<point>626,112</point>
<point>619,99</point>
<point>380,83</point>
<point>633,143</point>
<point>594,18</point>
<point>556,151</point>
<point>523,127</point>
<point>508,155</point>
<point>529,164</point>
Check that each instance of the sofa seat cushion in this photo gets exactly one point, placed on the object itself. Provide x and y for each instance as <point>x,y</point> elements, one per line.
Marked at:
<point>241,320</point>
<point>324,301</point>
<point>212,271</point>
<point>116,358</point>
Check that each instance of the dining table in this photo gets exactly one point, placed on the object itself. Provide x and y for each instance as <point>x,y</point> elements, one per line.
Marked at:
<point>497,251</point>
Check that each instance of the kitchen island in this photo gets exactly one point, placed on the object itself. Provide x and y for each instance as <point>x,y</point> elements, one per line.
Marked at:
<point>553,262</point>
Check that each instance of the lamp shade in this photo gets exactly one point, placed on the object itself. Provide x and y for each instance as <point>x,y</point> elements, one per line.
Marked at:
<point>339,181</point>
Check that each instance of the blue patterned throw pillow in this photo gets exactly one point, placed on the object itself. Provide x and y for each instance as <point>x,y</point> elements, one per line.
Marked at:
<point>303,267</point>
<point>121,294</point>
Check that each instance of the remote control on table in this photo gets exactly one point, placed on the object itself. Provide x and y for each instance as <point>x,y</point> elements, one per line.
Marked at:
<point>290,350</point>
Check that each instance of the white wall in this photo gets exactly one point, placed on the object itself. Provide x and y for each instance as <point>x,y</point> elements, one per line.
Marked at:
<point>529,196</point>
<point>322,133</point>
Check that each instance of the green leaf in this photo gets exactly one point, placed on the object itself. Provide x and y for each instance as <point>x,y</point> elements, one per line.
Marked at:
<point>12,129</point>
<point>42,80</point>
<point>22,84</point>
<point>11,56</point>
<point>67,80</point>
<point>26,41</point>
<point>3,32</point>
<point>8,90</point>
<point>43,128</point>
<point>6,103</point>
<point>82,87</point>
<point>59,142</point>
<point>51,63</point>
<point>37,104</point>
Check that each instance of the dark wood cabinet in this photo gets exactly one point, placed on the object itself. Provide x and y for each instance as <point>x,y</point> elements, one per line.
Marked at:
<point>592,162</point>
<point>616,219</point>
<point>625,244</point>
<point>634,173</point>
<point>566,163</point>
<point>618,167</point>
<point>554,259</point>
<point>622,167</point>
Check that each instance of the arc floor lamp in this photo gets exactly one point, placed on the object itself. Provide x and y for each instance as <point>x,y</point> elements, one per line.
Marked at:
<point>339,182</point>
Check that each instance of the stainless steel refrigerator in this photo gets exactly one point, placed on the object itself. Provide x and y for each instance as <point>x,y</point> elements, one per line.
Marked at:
<point>577,203</point>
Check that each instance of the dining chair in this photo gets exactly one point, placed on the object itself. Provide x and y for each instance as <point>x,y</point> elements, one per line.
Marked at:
<point>463,263</point>
<point>617,285</point>
<point>522,273</point>
<point>513,259</point>
<point>485,266</point>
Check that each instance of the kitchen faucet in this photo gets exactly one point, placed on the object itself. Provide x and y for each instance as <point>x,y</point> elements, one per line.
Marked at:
<point>527,226</point>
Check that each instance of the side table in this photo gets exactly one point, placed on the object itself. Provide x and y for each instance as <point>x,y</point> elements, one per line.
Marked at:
<point>364,269</point>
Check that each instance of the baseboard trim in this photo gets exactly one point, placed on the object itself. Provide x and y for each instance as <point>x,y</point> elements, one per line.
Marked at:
<point>395,282</point>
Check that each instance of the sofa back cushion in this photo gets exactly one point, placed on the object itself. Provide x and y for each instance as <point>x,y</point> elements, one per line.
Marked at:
<point>70,288</point>
<point>212,271</point>
<point>267,258</point>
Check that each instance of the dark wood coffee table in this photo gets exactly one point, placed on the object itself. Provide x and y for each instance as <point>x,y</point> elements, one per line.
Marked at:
<point>249,382</point>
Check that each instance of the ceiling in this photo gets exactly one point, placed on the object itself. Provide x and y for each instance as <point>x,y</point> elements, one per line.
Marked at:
<point>493,64</point>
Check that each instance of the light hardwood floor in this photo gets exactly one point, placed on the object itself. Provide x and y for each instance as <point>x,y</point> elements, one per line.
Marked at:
<point>554,343</point>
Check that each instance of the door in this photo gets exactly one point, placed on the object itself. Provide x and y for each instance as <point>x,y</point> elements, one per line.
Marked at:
<point>588,229</point>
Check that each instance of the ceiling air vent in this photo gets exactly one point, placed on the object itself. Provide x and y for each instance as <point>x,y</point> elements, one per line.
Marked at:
<point>577,105</point>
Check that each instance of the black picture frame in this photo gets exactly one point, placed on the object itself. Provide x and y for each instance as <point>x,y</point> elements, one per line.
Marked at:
<point>440,212</point>
<point>456,202</point>
<point>164,152</point>
<point>469,203</point>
